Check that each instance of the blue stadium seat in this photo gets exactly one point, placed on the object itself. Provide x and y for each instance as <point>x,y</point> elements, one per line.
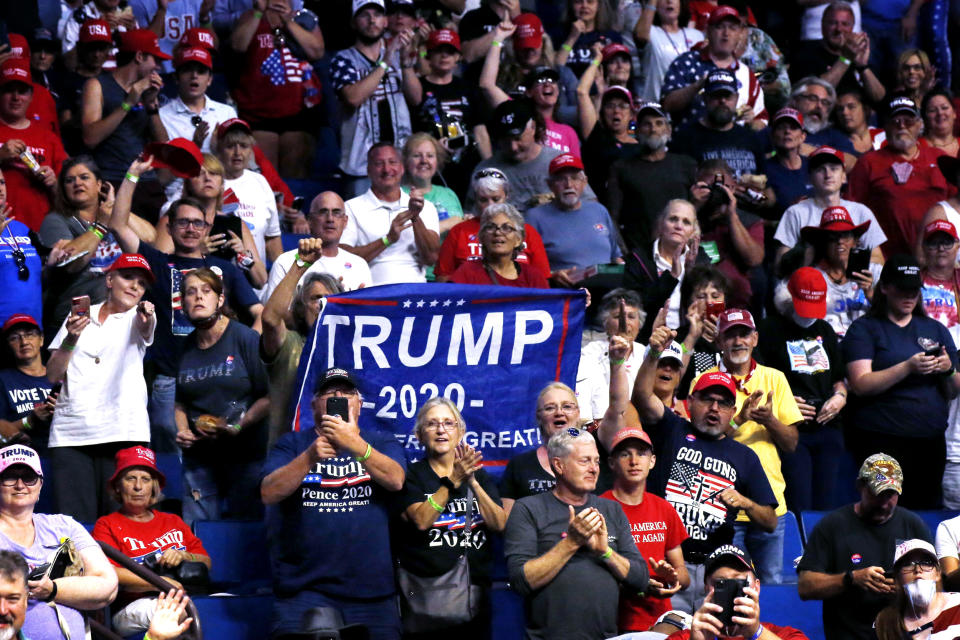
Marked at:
<point>934,518</point>
<point>291,241</point>
<point>508,618</point>
<point>238,549</point>
<point>792,547</point>
<point>808,520</point>
<point>235,617</point>
<point>499,571</point>
<point>781,605</point>
<point>171,467</point>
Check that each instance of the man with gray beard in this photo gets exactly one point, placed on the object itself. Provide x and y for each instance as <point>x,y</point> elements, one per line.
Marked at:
<point>639,188</point>
<point>814,98</point>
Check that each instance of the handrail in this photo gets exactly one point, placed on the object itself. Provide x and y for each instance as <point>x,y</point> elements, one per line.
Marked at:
<point>195,632</point>
<point>98,629</point>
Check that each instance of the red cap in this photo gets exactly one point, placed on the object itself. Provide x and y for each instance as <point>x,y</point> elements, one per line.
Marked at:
<point>443,38</point>
<point>132,261</point>
<point>788,114</point>
<point>137,457</point>
<point>95,30</point>
<point>940,226</point>
<point>809,291</point>
<point>716,379</point>
<point>613,49</point>
<point>734,317</point>
<point>617,90</point>
<point>198,37</point>
<point>180,155</point>
<point>565,161</point>
<point>15,70</point>
<point>192,54</point>
<point>529,33</point>
<point>226,125</point>
<point>142,40</point>
<point>19,318</point>
<point>723,12</point>
<point>19,47</point>
<point>626,434</point>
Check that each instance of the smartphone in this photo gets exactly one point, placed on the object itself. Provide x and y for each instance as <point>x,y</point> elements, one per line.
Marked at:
<point>55,389</point>
<point>716,308</point>
<point>298,203</point>
<point>80,306</point>
<point>337,406</point>
<point>859,260</point>
<point>38,572</point>
<point>224,224</point>
<point>70,259</point>
<point>933,352</point>
<point>725,591</point>
<point>622,319</point>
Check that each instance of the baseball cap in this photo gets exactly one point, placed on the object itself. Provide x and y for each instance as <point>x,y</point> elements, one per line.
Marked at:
<point>626,434</point>
<point>727,555</point>
<point>95,30</point>
<point>734,317</point>
<point>360,5</point>
<point>443,37</point>
<point>916,544</point>
<point>529,33</point>
<point>833,219</point>
<point>716,379</point>
<point>43,36</point>
<point>723,12</point>
<point>142,40</point>
<point>192,54</point>
<point>881,472</point>
<point>788,114</point>
<point>180,156</point>
<point>138,456</point>
<point>15,70</point>
<point>510,118</point>
<point>940,226</point>
<point>565,161</point>
<point>132,261</point>
<point>901,271</point>
<point>233,123</point>
<point>614,49</point>
<point>720,80</point>
<point>328,377</point>
<point>401,5</point>
<point>809,291</point>
<point>18,319</point>
<point>20,454</point>
<point>198,37</point>
<point>672,351</point>
<point>902,104</point>
<point>19,47</point>
<point>655,107</point>
<point>616,91</point>
<point>823,154</point>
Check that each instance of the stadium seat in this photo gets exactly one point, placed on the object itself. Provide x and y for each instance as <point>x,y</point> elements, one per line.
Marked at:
<point>238,550</point>
<point>508,618</point>
<point>499,571</point>
<point>934,518</point>
<point>291,241</point>
<point>235,617</point>
<point>808,520</point>
<point>781,605</point>
<point>170,466</point>
<point>792,548</point>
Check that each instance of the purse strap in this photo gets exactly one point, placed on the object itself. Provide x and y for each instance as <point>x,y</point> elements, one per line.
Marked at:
<point>468,523</point>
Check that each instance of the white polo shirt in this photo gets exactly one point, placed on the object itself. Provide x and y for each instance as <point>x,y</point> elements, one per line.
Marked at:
<point>104,395</point>
<point>369,218</point>
<point>351,269</point>
<point>177,117</point>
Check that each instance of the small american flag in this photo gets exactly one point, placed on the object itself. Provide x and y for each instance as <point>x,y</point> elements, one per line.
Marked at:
<point>281,67</point>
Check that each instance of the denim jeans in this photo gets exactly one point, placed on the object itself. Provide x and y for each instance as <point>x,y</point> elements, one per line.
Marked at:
<point>163,428</point>
<point>220,489</point>
<point>766,549</point>
<point>811,471</point>
<point>380,616</point>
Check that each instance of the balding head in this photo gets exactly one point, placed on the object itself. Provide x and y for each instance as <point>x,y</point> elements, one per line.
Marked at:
<point>327,218</point>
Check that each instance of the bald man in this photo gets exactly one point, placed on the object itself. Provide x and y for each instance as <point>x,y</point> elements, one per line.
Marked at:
<point>327,219</point>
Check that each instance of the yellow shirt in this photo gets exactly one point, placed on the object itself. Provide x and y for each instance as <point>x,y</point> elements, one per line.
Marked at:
<point>755,435</point>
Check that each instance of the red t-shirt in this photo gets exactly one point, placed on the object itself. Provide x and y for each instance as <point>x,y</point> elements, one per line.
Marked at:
<point>463,243</point>
<point>899,192</point>
<point>30,199</point>
<point>472,272</point>
<point>656,528</point>
<point>784,633</point>
<point>43,109</point>
<point>271,84</point>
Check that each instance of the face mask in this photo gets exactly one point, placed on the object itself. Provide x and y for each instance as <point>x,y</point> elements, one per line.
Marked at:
<point>921,592</point>
<point>803,322</point>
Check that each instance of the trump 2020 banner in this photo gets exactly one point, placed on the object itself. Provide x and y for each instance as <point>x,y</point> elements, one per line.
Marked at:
<point>488,349</point>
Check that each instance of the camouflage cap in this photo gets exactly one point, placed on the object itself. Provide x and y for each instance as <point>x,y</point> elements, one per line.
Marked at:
<point>881,472</point>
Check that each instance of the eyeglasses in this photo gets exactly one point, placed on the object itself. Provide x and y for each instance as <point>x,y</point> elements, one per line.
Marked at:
<point>904,121</point>
<point>490,173</point>
<point>328,213</point>
<point>29,478</point>
<point>196,223</point>
<point>505,229</point>
<point>22,336</point>
<point>809,97</point>
<point>23,271</point>
<point>566,407</point>
<point>924,565</point>
<point>434,425</point>
<point>196,121</point>
<point>723,403</point>
<point>940,245</point>
<point>912,67</point>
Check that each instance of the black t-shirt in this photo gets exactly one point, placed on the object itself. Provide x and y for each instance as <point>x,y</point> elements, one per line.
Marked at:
<point>476,24</point>
<point>582,52</point>
<point>813,59</point>
<point>739,146</point>
<point>809,357</point>
<point>600,150</point>
<point>435,551</point>
<point>843,541</point>
<point>525,477</point>
<point>444,104</point>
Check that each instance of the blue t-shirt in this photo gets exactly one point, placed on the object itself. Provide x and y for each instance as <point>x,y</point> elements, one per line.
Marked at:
<point>578,238</point>
<point>20,295</point>
<point>692,470</point>
<point>332,534</point>
<point>832,137</point>
<point>172,324</point>
<point>788,184</point>
<point>914,407</point>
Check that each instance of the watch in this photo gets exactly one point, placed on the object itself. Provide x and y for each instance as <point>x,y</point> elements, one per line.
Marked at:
<point>448,483</point>
<point>848,578</point>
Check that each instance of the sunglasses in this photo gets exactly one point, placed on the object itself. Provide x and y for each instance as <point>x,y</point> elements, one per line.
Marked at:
<point>23,271</point>
<point>490,173</point>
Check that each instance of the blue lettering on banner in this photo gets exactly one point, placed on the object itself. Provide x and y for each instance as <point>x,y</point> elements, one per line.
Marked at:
<point>488,349</point>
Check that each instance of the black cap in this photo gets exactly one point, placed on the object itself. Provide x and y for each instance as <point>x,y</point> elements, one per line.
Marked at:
<point>728,555</point>
<point>540,72</point>
<point>902,104</point>
<point>901,271</point>
<point>406,6</point>
<point>510,118</point>
<point>328,377</point>
<point>43,35</point>
<point>720,80</point>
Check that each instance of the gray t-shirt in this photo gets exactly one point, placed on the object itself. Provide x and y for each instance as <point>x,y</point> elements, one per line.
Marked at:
<point>581,601</point>
<point>806,213</point>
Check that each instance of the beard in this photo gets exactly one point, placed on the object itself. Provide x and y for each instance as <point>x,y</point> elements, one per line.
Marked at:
<point>721,116</point>
<point>9,633</point>
<point>568,200</point>
<point>813,126</point>
<point>739,356</point>
<point>367,40</point>
<point>901,143</point>
<point>652,143</point>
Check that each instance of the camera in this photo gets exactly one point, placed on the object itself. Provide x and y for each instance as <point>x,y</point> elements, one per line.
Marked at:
<point>717,199</point>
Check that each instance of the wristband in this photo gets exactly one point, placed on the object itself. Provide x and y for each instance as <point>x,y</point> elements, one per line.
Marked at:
<point>845,61</point>
<point>300,261</point>
<point>383,65</point>
<point>609,552</point>
<point>26,423</point>
<point>566,47</point>
<point>258,14</point>
<point>596,62</point>
<point>146,636</point>
<point>96,232</point>
<point>132,178</point>
<point>618,362</point>
<point>433,503</point>
<point>842,394</point>
<point>53,592</point>
<point>496,43</point>
<point>733,423</point>
<point>655,354</point>
<point>423,54</point>
<point>386,241</point>
<point>235,427</point>
<point>683,348</point>
<point>366,455</point>
<point>758,633</point>
<point>126,106</point>
<point>848,578</point>
<point>66,346</point>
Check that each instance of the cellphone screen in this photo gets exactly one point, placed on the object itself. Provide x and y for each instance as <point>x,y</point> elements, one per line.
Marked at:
<point>337,406</point>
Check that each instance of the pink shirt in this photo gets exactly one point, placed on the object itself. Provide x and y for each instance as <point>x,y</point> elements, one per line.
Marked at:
<point>563,138</point>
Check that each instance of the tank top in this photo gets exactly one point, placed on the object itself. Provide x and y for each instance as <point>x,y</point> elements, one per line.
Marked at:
<point>115,153</point>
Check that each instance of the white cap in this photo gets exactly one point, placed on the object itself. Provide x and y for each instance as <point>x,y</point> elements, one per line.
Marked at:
<point>672,350</point>
<point>360,4</point>
<point>915,544</point>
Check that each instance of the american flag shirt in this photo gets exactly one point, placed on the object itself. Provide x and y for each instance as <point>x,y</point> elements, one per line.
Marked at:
<point>272,82</point>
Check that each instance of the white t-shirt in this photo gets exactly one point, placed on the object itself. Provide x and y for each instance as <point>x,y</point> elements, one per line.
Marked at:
<point>807,213</point>
<point>351,269</point>
<point>593,377</point>
<point>104,395</point>
<point>660,51</point>
<point>948,538</point>
<point>369,218</point>
<point>257,208</point>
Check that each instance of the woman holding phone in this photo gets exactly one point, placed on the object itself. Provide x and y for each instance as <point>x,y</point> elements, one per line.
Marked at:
<point>221,407</point>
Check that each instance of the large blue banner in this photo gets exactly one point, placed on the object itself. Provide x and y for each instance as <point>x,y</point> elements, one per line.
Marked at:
<point>488,349</point>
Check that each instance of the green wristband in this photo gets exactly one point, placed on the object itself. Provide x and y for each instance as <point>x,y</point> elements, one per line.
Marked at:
<point>566,47</point>
<point>258,14</point>
<point>607,554</point>
<point>132,178</point>
<point>433,503</point>
<point>126,106</point>
<point>66,346</point>
<point>97,232</point>
<point>845,61</point>
<point>26,423</point>
<point>496,43</point>
<point>618,362</point>
<point>386,241</point>
<point>366,455</point>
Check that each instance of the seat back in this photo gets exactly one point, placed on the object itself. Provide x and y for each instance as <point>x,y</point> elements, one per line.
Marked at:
<point>808,520</point>
<point>792,548</point>
<point>238,551</point>
<point>781,605</point>
<point>235,617</point>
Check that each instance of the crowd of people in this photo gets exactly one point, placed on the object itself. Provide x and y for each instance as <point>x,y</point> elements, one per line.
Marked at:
<point>766,221</point>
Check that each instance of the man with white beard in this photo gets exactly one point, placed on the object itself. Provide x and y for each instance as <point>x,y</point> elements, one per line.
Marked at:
<point>766,421</point>
<point>814,98</point>
<point>640,187</point>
